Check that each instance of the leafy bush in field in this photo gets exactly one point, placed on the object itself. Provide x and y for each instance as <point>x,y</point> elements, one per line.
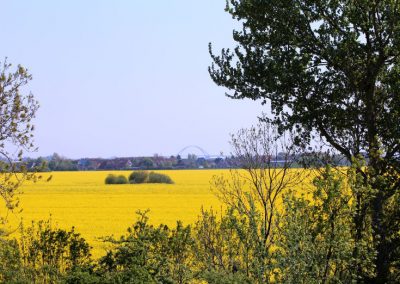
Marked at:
<point>139,177</point>
<point>146,177</point>
<point>121,180</point>
<point>113,179</point>
<point>159,178</point>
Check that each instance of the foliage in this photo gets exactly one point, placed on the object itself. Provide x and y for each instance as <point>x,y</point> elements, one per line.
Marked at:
<point>10,264</point>
<point>47,252</point>
<point>84,276</point>
<point>159,178</point>
<point>329,69</point>
<point>315,243</point>
<point>214,277</point>
<point>113,179</point>
<point>139,177</point>
<point>59,163</point>
<point>147,163</point>
<point>227,248</point>
<point>16,132</point>
<point>149,255</point>
<point>146,177</point>
<point>252,194</point>
<point>326,66</point>
<point>42,254</point>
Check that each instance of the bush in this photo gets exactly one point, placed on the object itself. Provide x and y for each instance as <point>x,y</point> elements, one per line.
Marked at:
<point>149,254</point>
<point>10,262</point>
<point>139,177</point>
<point>146,177</point>
<point>43,254</point>
<point>113,179</point>
<point>159,178</point>
<point>121,180</point>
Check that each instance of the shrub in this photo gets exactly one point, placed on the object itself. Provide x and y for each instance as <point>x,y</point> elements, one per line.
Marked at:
<point>110,179</point>
<point>149,254</point>
<point>139,177</point>
<point>121,180</point>
<point>10,262</point>
<point>47,254</point>
<point>113,179</point>
<point>159,178</point>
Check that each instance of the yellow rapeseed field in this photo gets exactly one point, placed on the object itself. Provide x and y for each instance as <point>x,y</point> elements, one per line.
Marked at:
<point>81,199</point>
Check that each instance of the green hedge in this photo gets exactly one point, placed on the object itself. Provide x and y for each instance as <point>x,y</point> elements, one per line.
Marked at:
<point>138,177</point>
<point>159,178</point>
<point>113,179</point>
<point>149,177</point>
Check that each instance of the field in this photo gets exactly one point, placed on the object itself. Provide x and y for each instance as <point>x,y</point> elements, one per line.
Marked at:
<point>81,199</point>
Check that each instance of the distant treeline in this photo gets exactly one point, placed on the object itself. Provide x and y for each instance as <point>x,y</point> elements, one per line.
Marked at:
<point>57,162</point>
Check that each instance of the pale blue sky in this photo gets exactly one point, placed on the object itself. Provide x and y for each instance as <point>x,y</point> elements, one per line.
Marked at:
<point>124,78</point>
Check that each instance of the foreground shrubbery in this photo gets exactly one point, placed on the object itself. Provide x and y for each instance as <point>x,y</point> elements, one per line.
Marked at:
<point>312,244</point>
<point>43,254</point>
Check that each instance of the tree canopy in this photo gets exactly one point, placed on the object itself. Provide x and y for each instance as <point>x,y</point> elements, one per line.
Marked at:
<point>16,130</point>
<point>329,66</point>
<point>328,69</point>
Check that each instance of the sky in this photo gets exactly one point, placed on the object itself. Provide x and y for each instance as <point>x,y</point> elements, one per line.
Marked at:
<point>124,78</point>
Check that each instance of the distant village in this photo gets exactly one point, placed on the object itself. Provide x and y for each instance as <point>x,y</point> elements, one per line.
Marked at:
<point>57,162</point>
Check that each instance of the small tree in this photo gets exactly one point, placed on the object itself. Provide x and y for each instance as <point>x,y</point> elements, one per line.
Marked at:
<point>315,243</point>
<point>16,132</point>
<point>224,248</point>
<point>254,192</point>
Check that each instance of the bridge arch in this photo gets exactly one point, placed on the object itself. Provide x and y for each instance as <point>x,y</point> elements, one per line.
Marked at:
<point>201,150</point>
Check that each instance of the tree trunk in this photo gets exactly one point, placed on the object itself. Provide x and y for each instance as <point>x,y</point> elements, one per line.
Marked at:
<point>382,261</point>
<point>379,229</point>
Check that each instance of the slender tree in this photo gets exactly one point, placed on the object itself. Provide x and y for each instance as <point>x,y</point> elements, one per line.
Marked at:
<point>329,69</point>
<point>254,191</point>
<point>16,132</point>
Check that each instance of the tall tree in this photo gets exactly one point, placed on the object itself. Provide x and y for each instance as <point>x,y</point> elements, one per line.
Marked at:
<point>331,69</point>
<point>16,131</point>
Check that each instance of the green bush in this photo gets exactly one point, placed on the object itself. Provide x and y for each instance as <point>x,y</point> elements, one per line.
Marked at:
<point>121,180</point>
<point>159,178</point>
<point>110,179</point>
<point>42,254</point>
<point>139,177</point>
<point>149,254</point>
<point>113,179</point>
<point>146,177</point>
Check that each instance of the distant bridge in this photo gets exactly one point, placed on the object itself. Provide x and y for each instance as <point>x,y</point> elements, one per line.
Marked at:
<point>203,154</point>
